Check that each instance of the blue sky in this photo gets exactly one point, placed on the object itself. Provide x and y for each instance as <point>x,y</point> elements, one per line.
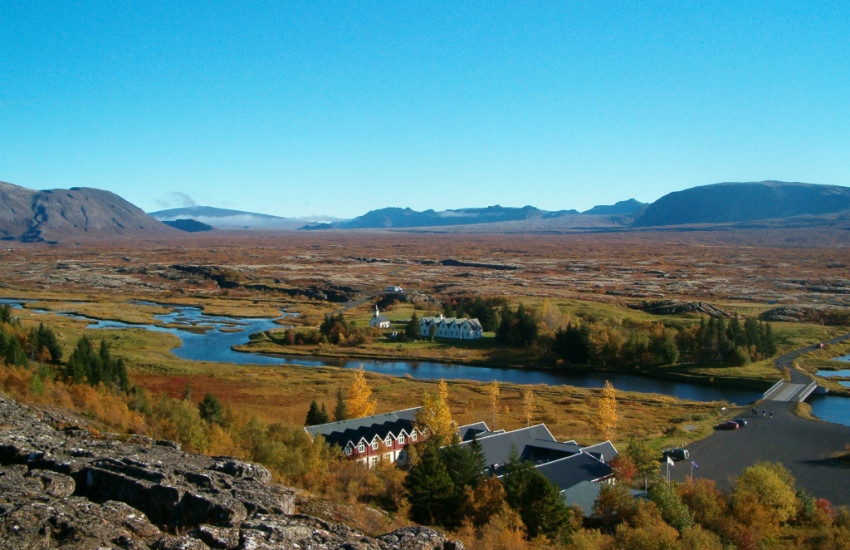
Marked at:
<point>305,108</point>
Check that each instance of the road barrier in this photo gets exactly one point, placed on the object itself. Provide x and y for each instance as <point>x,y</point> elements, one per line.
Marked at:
<point>772,388</point>
<point>807,391</point>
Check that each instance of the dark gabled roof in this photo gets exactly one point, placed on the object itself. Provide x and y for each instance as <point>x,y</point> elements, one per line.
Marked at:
<point>604,450</point>
<point>541,450</point>
<point>572,470</point>
<point>496,447</point>
<point>355,429</point>
<point>583,495</point>
<point>466,431</point>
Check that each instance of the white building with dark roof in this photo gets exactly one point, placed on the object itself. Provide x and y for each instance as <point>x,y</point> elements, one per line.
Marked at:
<point>451,327</point>
<point>371,439</point>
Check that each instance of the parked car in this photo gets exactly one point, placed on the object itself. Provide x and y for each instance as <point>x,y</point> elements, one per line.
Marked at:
<point>728,425</point>
<point>676,454</point>
<point>742,423</point>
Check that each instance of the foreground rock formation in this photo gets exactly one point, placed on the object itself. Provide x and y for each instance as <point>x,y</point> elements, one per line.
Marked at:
<point>74,488</point>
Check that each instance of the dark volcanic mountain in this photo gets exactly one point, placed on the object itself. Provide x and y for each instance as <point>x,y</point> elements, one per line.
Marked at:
<point>405,217</point>
<point>744,202</point>
<point>223,218</point>
<point>68,214</point>
<point>623,207</point>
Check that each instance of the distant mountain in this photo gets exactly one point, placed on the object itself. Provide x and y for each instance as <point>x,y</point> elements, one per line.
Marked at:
<point>67,214</point>
<point>744,202</point>
<point>190,226</point>
<point>222,218</point>
<point>407,218</point>
<point>623,207</point>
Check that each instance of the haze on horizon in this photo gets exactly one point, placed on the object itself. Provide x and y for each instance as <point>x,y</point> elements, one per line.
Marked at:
<point>301,109</point>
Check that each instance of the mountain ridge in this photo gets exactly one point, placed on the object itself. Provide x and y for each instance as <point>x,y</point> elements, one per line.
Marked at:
<point>64,214</point>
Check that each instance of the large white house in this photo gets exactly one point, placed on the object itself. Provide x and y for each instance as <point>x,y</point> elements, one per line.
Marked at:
<point>451,327</point>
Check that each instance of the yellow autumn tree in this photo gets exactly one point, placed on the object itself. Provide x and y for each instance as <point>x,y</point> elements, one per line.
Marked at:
<point>551,317</point>
<point>493,391</point>
<point>528,405</point>
<point>606,421</point>
<point>435,418</point>
<point>359,403</point>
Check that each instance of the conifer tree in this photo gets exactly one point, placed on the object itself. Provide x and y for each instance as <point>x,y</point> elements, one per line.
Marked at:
<point>429,488</point>
<point>411,330</point>
<point>340,412</point>
<point>537,500</point>
<point>316,415</point>
<point>210,409</point>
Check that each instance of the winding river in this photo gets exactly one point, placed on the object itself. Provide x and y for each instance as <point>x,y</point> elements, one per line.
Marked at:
<point>211,338</point>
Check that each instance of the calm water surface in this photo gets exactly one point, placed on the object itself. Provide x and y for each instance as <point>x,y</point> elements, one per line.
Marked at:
<point>210,338</point>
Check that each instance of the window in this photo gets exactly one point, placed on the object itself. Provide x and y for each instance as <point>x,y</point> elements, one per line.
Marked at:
<point>361,448</point>
<point>388,441</point>
<point>375,443</point>
<point>401,439</point>
<point>413,436</point>
<point>348,449</point>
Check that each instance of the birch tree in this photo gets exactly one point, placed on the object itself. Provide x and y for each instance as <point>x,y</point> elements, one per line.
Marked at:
<point>606,421</point>
<point>435,418</point>
<point>359,403</point>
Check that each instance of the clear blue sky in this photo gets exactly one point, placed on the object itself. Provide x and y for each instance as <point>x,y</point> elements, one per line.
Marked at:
<point>304,108</point>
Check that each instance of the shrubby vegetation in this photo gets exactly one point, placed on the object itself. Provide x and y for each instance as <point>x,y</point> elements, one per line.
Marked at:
<point>334,329</point>
<point>613,343</point>
<point>445,486</point>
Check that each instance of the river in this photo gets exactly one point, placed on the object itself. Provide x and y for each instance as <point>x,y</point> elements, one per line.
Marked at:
<point>211,338</point>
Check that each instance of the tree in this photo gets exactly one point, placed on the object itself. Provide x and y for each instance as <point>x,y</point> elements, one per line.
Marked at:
<point>358,404</point>
<point>210,409</point>
<point>643,457</point>
<point>493,391</point>
<point>85,365</point>
<point>429,488</point>
<point>765,490</point>
<point>528,404</point>
<point>465,465</point>
<point>671,507</point>
<point>537,500</point>
<point>411,330</point>
<point>551,317</point>
<point>340,412</point>
<point>315,415</point>
<point>606,421</point>
<point>42,340</point>
<point>435,418</point>
<point>613,505</point>
<point>572,344</point>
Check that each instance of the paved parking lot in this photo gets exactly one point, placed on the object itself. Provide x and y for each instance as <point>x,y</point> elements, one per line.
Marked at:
<point>806,447</point>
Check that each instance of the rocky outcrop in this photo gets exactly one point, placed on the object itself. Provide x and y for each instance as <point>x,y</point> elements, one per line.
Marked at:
<point>74,488</point>
<point>674,307</point>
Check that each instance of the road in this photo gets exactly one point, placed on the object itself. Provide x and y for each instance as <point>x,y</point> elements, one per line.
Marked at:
<point>806,447</point>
